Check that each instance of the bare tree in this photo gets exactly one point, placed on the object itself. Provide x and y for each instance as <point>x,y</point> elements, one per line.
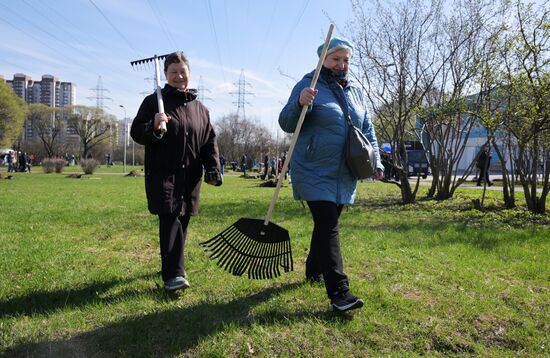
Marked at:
<point>47,126</point>
<point>398,63</point>
<point>91,124</point>
<point>450,110</point>
<point>237,136</point>
<point>527,114</point>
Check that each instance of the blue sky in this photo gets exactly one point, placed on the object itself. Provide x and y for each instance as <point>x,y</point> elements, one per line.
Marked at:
<point>80,40</point>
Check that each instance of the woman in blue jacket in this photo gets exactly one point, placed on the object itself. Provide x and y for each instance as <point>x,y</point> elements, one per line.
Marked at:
<point>319,172</point>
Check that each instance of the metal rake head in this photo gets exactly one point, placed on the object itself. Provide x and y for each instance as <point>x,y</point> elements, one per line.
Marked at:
<point>144,61</point>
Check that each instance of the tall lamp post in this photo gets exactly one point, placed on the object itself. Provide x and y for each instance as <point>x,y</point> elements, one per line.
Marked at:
<point>125,135</point>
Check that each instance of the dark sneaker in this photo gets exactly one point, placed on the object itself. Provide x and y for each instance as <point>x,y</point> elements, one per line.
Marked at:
<point>176,283</point>
<point>345,301</point>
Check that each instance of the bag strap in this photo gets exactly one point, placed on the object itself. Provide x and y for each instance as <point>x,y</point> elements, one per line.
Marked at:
<point>343,105</point>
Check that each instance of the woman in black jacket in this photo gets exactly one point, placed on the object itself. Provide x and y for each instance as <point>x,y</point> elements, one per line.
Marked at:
<point>174,162</point>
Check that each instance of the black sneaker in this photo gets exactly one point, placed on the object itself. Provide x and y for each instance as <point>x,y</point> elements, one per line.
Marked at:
<point>345,301</point>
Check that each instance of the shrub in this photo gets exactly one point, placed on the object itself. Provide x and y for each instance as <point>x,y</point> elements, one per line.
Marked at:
<point>89,165</point>
<point>49,165</point>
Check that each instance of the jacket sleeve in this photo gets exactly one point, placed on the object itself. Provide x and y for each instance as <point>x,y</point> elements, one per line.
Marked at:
<point>369,132</point>
<point>142,126</point>
<point>209,149</point>
<point>288,118</point>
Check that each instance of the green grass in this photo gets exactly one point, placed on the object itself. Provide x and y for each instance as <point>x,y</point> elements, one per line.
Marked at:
<point>79,276</point>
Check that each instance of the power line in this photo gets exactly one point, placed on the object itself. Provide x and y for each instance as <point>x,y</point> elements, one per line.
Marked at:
<point>289,36</point>
<point>158,16</point>
<point>114,27</point>
<point>268,31</point>
<point>40,29</point>
<point>213,26</point>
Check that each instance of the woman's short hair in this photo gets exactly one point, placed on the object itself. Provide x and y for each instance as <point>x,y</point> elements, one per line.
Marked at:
<point>175,57</point>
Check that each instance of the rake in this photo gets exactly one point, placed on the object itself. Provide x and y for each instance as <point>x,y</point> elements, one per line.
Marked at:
<point>155,59</point>
<point>258,246</point>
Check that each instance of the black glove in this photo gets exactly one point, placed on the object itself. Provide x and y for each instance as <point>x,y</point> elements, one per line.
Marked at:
<point>213,177</point>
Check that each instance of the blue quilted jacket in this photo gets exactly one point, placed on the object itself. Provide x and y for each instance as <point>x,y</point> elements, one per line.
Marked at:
<point>317,166</point>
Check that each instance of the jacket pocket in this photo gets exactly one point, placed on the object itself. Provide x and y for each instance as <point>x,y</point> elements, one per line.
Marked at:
<point>311,148</point>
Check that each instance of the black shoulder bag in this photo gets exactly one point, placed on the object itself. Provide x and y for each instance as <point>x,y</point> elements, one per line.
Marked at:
<point>360,157</point>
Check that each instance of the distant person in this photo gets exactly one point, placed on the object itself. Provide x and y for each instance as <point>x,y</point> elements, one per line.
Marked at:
<point>244,160</point>
<point>266,166</point>
<point>28,160</point>
<point>319,176</point>
<point>482,164</point>
<point>9,160</point>
<point>222,164</point>
<point>174,162</point>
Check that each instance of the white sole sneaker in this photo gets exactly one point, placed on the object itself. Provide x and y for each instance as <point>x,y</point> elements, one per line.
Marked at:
<point>176,284</point>
<point>350,306</point>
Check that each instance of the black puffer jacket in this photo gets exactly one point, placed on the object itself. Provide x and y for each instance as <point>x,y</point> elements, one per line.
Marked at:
<point>174,163</point>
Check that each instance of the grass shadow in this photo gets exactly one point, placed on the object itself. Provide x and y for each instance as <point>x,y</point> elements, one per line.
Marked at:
<point>39,302</point>
<point>173,332</point>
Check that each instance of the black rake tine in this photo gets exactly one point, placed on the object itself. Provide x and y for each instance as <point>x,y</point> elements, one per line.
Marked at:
<point>224,243</point>
<point>290,264</point>
<point>251,261</point>
<point>239,253</point>
<point>239,256</point>
<point>285,257</point>
<point>227,244</point>
<point>239,250</point>
<point>262,266</point>
<point>216,238</point>
<point>262,258</point>
<point>234,255</point>
<point>245,264</point>
<point>272,261</point>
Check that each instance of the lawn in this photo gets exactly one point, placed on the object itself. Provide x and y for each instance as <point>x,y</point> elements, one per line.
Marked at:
<point>79,276</point>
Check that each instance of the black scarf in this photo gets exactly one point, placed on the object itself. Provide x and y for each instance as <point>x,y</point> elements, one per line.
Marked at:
<point>340,77</point>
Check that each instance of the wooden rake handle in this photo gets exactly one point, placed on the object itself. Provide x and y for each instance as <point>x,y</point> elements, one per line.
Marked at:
<point>298,128</point>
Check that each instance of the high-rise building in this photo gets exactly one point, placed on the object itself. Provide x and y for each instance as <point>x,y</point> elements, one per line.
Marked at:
<point>49,91</point>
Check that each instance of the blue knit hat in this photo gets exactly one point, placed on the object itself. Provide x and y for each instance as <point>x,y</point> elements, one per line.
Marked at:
<point>336,44</point>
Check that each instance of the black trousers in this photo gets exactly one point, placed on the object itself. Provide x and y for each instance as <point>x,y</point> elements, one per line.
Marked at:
<point>324,254</point>
<point>172,234</point>
<point>483,175</point>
